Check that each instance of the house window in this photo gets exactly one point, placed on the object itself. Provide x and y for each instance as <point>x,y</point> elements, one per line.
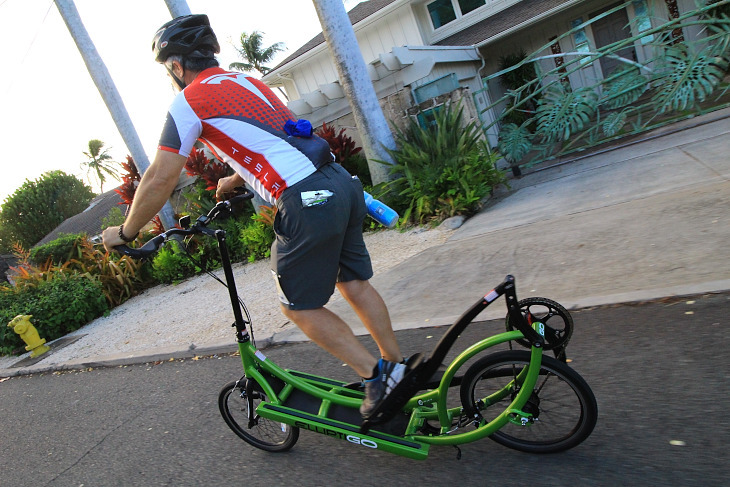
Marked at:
<point>427,118</point>
<point>469,5</point>
<point>441,12</point>
<point>444,11</point>
<point>580,39</point>
<point>434,88</point>
<point>643,22</point>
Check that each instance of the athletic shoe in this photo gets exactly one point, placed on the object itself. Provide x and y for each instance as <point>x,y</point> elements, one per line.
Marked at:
<point>378,388</point>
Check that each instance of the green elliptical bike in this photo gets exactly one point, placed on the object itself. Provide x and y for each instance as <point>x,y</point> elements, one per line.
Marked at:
<point>523,399</point>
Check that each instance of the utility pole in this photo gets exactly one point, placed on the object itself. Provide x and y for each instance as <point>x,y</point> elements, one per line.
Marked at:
<point>177,8</point>
<point>108,91</point>
<point>358,88</point>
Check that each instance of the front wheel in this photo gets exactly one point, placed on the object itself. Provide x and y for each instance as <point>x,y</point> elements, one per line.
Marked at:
<point>237,402</point>
<point>562,409</point>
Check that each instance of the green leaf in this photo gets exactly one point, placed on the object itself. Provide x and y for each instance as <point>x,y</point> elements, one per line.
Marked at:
<point>514,142</point>
<point>687,78</point>
<point>614,123</point>
<point>623,88</point>
<point>560,114</point>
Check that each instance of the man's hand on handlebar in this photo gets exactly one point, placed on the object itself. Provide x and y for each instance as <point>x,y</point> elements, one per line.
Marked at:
<point>227,185</point>
<point>110,238</point>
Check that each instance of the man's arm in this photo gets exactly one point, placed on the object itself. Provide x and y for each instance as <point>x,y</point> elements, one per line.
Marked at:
<point>153,191</point>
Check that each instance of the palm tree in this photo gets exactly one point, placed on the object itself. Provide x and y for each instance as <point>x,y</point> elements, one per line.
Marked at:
<point>254,55</point>
<point>99,163</point>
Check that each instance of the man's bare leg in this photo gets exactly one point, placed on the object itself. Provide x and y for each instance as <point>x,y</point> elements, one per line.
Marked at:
<point>372,311</point>
<point>327,330</point>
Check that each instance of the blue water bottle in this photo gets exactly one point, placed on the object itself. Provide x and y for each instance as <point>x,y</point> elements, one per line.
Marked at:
<point>380,212</point>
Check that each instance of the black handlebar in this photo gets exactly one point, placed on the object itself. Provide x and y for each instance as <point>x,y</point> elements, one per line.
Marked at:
<point>150,248</point>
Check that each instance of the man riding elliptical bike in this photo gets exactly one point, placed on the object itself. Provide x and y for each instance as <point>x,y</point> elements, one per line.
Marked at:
<point>319,243</point>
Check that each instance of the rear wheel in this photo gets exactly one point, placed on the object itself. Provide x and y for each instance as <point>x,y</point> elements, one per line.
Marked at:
<point>237,402</point>
<point>562,409</point>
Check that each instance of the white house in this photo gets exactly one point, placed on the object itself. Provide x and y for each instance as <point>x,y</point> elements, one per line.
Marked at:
<point>418,50</point>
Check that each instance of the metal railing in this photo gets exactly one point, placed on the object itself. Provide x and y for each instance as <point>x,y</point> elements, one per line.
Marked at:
<point>545,118</point>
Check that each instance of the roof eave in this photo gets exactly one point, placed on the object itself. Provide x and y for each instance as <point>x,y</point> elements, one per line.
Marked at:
<point>277,73</point>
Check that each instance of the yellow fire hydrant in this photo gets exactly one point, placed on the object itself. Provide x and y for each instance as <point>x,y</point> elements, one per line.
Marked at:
<point>34,343</point>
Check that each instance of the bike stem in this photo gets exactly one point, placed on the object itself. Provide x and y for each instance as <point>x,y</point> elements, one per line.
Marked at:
<point>241,331</point>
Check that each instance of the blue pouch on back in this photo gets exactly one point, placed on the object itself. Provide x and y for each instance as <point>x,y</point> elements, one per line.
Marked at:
<point>300,128</point>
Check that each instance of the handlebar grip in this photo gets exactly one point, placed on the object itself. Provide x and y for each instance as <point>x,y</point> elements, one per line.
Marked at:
<point>246,195</point>
<point>128,251</point>
<point>147,250</point>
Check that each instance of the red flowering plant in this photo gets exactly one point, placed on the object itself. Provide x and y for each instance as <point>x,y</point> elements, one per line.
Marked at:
<point>346,152</point>
<point>210,170</point>
<point>130,179</point>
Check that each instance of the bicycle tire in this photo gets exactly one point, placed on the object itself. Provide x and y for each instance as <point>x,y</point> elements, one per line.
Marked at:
<point>557,333</point>
<point>265,434</point>
<point>563,407</point>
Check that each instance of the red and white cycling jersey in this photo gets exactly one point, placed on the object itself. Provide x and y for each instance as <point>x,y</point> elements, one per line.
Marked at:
<point>242,122</point>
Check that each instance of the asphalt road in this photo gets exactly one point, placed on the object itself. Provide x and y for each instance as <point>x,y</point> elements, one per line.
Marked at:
<point>660,372</point>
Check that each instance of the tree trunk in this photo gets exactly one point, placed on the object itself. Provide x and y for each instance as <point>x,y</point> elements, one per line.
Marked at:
<point>358,88</point>
<point>110,95</point>
<point>177,8</point>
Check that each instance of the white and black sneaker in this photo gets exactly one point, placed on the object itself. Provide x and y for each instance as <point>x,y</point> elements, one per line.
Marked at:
<point>378,388</point>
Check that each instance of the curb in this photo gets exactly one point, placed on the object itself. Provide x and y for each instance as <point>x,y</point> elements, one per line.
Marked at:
<point>295,336</point>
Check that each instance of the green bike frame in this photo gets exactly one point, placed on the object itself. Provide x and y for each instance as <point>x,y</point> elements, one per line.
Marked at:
<point>332,408</point>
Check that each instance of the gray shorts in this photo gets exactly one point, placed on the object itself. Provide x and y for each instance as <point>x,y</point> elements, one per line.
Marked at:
<point>317,246</point>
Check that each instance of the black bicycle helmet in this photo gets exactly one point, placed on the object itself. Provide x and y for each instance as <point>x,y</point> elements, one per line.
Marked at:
<point>184,35</point>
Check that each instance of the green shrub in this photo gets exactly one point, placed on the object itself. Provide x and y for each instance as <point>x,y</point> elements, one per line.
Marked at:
<point>234,227</point>
<point>58,251</point>
<point>39,206</point>
<point>59,306</point>
<point>258,235</point>
<point>441,170</point>
<point>114,218</point>
<point>172,264</point>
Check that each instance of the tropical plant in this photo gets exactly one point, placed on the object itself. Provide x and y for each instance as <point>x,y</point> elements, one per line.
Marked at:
<point>441,170</point>
<point>120,276</point>
<point>560,114</point>
<point>172,264</point>
<point>57,251</point>
<point>59,305</point>
<point>346,152</point>
<point>614,122</point>
<point>254,55</point>
<point>130,180</point>
<point>687,78</point>
<point>99,163</point>
<point>39,206</point>
<point>623,88</point>
<point>258,235</point>
<point>515,141</point>
<point>519,79</point>
<point>210,170</point>
<point>114,218</point>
